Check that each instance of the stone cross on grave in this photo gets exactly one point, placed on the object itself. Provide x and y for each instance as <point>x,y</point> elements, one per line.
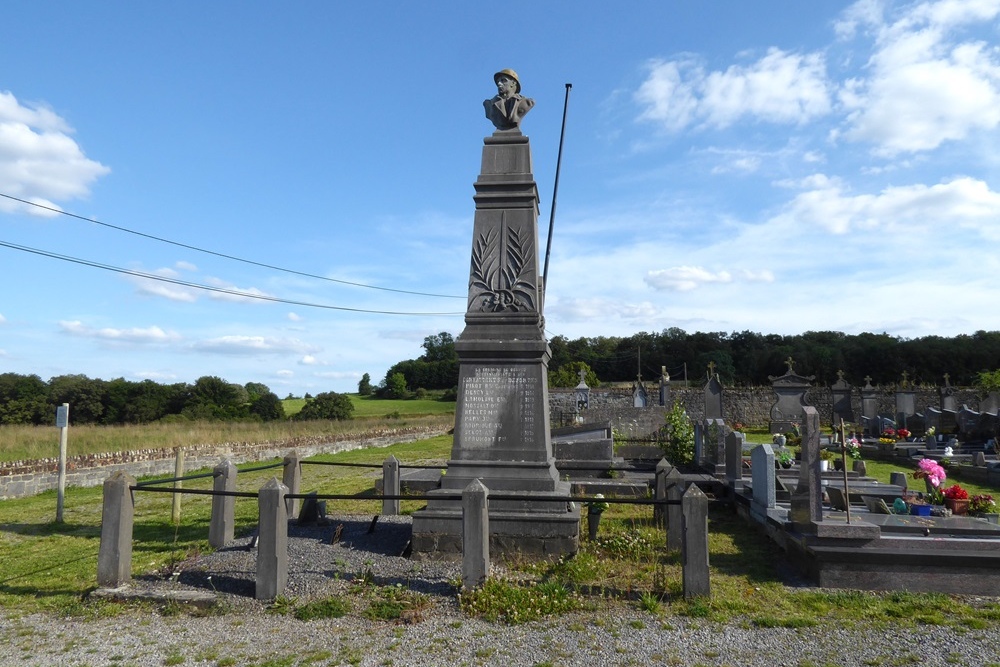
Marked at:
<point>905,382</point>
<point>947,379</point>
<point>711,369</point>
<point>583,376</point>
<point>790,363</point>
<point>840,375</point>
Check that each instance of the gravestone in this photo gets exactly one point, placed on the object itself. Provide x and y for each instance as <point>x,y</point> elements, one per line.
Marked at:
<point>869,408</point>
<point>991,404</point>
<point>790,390</point>
<point>502,414</point>
<point>664,386</point>
<point>906,403</point>
<point>764,500</point>
<point>640,398</point>
<point>946,395</point>
<point>932,419</point>
<point>713,394</point>
<point>842,409</point>
<point>807,501</point>
<point>699,444</point>
<point>715,446</point>
<point>734,460</point>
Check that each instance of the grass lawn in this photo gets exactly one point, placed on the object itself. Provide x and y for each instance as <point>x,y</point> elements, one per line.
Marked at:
<point>369,406</point>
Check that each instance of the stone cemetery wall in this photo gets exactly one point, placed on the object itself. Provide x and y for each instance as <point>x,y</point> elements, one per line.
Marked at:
<point>27,478</point>
<point>749,405</point>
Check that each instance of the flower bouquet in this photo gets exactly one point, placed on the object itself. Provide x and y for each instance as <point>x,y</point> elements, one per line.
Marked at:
<point>902,433</point>
<point>853,448</point>
<point>933,475</point>
<point>982,504</point>
<point>956,499</point>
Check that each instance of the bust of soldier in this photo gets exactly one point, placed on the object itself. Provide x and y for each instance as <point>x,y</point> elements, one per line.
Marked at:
<point>507,108</point>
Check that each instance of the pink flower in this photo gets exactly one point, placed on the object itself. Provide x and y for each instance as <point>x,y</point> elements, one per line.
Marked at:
<point>932,471</point>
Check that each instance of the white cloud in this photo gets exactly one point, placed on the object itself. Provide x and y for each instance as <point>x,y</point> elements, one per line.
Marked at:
<point>339,375</point>
<point>146,335</point>
<point>187,294</point>
<point>156,376</point>
<point>309,360</point>
<point>962,202</point>
<point>39,162</point>
<point>602,308</point>
<point>285,373</point>
<point>294,317</point>
<point>925,86</point>
<point>684,278</point>
<point>781,87</point>
<point>687,278</point>
<point>2,318</point>
<point>241,345</point>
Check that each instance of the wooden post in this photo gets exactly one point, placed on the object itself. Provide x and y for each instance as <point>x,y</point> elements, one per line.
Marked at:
<point>175,507</point>
<point>660,493</point>
<point>62,421</point>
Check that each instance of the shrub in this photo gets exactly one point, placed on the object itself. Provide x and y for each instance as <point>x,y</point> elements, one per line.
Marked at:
<point>328,405</point>
<point>677,441</point>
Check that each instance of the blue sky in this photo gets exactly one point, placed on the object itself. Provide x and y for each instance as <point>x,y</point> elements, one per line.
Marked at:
<point>777,167</point>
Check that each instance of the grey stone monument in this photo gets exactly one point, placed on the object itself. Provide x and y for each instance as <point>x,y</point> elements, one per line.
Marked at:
<point>807,501</point>
<point>502,434</point>
<point>713,394</point>
<point>869,408</point>
<point>946,394</point>
<point>906,401</point>
<point>664,386</point>
<point>640,398</point>
<point>763,474</point>
<point>790,390</point>
<point>842,409</point>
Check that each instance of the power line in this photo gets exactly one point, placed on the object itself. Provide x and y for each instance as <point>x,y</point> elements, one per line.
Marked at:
<point>209,288</point>
<point>223,255</point>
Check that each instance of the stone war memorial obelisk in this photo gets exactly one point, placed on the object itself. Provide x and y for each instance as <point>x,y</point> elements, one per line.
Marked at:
<point>502,415</point>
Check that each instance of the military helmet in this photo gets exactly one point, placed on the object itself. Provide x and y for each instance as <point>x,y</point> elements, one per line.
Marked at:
<point>512,74</point>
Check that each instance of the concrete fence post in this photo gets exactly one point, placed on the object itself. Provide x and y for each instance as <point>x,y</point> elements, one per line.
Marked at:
<point>694,554</point>
<point>475,535</point>
<point>660,493</point>
<point>675,489</point>
<point>292,479</point>
<point>222,527</point>
<point>272,545</point>
<point>114,558</point>
<point>390,486</point>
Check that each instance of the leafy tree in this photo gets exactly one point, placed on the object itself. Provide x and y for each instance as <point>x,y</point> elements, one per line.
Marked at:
<point>568,375</point>
<point>268,407</point>
<point>395,387</point>
<point>988,381</point>
<point>365,385</point>
<point>213,398</point>
<point>255,390</point>
<point>327,405</point>
<point>86,397</point>
<point>439,347</point>
<point>23,400</point>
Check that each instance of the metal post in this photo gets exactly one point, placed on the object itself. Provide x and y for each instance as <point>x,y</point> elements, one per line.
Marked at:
<point>555,192</point>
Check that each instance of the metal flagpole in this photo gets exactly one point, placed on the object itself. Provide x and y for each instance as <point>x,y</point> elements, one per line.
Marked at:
<point>555,192</point>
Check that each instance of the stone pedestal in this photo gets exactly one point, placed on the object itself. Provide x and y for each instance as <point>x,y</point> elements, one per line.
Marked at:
<point>502,418</point>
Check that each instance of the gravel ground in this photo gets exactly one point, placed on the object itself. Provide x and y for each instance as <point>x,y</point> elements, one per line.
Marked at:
<point>246,633</point>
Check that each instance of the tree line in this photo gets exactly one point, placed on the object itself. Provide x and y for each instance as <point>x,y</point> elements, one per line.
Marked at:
<point>27,399</point>
<point>741,358</point>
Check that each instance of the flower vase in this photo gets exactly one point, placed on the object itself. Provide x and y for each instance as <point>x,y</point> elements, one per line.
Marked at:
<point>824,465</point>
<point>957,505</point>
<point>593,523</point>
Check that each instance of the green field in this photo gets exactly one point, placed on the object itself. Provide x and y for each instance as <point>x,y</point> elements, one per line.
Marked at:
<point>369,406</point>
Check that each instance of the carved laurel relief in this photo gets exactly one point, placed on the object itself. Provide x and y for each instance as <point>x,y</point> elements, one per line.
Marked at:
<point>500,270</point>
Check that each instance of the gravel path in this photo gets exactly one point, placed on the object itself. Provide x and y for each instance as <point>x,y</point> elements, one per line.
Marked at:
<point>246,633</point>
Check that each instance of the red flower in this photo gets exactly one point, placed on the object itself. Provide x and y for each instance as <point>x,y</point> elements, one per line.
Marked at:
<point>956,492</point>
